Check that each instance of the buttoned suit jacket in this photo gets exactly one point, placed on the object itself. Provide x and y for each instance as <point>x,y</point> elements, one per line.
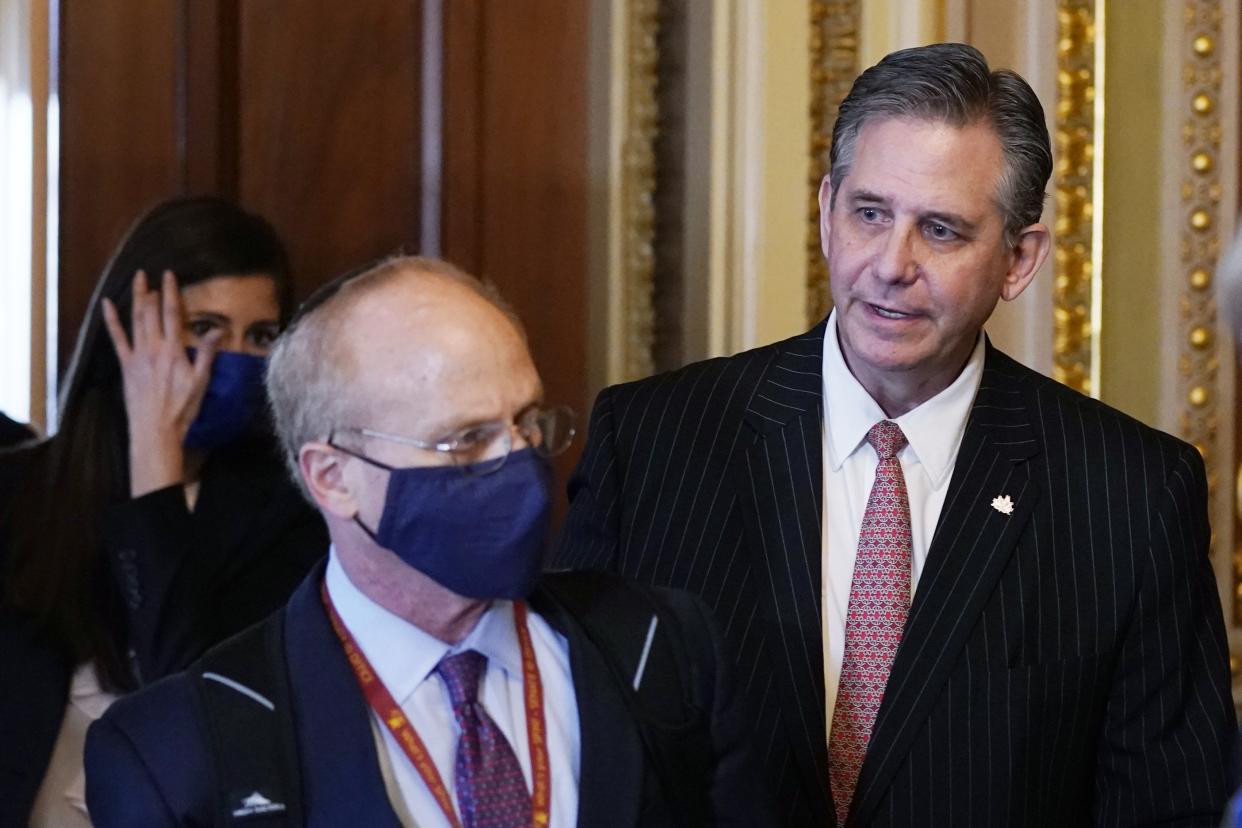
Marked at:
<point>148,764</point>
<point>1063,662</point>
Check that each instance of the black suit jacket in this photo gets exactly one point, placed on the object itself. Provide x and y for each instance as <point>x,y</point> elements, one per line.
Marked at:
<point>1061,665</point>
<point>147,762</point>
<point>187,580</point>
<point>12,432</point>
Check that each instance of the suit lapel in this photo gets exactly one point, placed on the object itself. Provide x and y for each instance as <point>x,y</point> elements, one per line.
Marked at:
<point>779,480</point>
<point>972,543</point>
<point>341,779</point>
<point>610,776</point>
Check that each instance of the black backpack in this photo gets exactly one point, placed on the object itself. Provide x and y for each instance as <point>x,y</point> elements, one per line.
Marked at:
<point>254,750</point>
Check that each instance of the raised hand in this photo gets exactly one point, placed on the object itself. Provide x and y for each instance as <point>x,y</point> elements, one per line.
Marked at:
<point>163,388</point>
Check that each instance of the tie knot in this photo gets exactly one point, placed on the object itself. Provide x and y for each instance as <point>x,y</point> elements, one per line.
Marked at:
<point>886,438</point>
<point>461,673</point>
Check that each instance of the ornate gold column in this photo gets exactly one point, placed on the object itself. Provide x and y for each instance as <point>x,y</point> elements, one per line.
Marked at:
<point>1078,188</point>
<point>638,183</point>
<point>1201,217</point>
<point>834,65</point>
<point>623,123</point>
<point>1200,234</point>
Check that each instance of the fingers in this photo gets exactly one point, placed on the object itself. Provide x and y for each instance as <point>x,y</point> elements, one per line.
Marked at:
<point>112,321</point>
<point>204,353</point>
<point>158,317</point>
<point>173,319</point>
<point>145,322</point>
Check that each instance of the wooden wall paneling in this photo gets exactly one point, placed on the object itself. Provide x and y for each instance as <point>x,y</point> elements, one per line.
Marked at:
<point>515,174</point>
<point>463,140</point>
<point>535,179</point>
<point>208,136</point>
<point>118,135</point>
<point>328,130</point>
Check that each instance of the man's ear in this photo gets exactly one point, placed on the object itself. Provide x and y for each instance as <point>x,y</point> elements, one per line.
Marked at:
<point>825,213</point>
<point>323,473</point>
<point>1029,253</point>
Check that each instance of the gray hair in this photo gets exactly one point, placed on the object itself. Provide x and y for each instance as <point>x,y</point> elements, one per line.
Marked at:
<point>951,82</point>
<point>309,374</point>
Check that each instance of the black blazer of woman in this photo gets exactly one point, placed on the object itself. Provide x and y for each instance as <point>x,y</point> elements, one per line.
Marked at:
<point>184,580</point>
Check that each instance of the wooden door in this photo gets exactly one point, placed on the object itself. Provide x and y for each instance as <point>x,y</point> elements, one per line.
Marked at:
<point>310,112</point>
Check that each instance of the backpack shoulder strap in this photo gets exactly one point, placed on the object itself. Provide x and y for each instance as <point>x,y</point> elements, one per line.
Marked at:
<point>243,685</point>
<point>639,639</point>
<point>646,652</point>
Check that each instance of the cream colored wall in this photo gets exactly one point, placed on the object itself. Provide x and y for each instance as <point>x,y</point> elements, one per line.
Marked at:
<point>746,171</point>
<point>769,293</point>
<point>896,24</point>
<point>1019,35</point>
<point>1132,342</point>
<point>607,41</point>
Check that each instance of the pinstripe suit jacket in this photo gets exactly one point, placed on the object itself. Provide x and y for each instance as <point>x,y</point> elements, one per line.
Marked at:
<point>1061,665</point>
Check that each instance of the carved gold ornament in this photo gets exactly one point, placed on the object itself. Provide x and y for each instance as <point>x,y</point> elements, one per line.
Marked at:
<point>835,28</point>
<point>1199,236</point>
<point>1078,192</point>
<point>638,184</point>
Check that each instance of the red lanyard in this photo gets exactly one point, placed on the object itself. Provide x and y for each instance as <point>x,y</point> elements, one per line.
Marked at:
<point>390,713</point>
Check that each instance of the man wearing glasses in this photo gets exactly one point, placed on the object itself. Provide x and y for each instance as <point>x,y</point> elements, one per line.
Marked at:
<point>426,673</point>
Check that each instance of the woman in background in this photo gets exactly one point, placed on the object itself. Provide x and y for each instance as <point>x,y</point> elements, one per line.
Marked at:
<point>159,519</point>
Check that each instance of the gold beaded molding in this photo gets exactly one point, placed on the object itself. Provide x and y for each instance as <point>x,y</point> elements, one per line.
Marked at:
<point>835,28</point>
<point>1199,236</point>
<point>638,183</point>
<point>1077,186</point>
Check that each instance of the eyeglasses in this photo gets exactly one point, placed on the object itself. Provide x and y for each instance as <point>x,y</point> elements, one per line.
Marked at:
<point>483,448</point>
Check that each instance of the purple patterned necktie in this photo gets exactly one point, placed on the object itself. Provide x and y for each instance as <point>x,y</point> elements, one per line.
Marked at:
<point>491,791</point>
<point>879,601</point>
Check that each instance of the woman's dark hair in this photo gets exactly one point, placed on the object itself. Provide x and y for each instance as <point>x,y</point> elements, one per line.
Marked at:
<point>54,571</point>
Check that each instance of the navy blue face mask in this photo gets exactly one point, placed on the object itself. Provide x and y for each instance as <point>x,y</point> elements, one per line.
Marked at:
<point>232,403</point>
<point>481,536</point>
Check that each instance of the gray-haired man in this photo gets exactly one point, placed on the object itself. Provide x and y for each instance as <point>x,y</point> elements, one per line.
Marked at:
<point>428,674</point>
<point>958,593</point>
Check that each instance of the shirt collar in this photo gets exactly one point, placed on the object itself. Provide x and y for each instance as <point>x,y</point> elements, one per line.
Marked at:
<point>850,412</point>
<point>404,656</point>
<point>496,637</point>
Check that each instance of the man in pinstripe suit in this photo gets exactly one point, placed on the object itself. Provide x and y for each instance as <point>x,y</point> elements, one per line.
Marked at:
<point>1061,655</point>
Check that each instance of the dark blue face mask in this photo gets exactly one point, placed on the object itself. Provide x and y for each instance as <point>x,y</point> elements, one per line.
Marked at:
<point>481,535</point>
<point>232,403</point>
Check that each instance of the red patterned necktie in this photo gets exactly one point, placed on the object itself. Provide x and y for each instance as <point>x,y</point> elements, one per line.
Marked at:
<point>491,791</point>
<point>879,601</point>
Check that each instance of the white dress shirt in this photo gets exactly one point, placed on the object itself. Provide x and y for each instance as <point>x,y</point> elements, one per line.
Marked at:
<point>404,657</point>
<point>934,433</point>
